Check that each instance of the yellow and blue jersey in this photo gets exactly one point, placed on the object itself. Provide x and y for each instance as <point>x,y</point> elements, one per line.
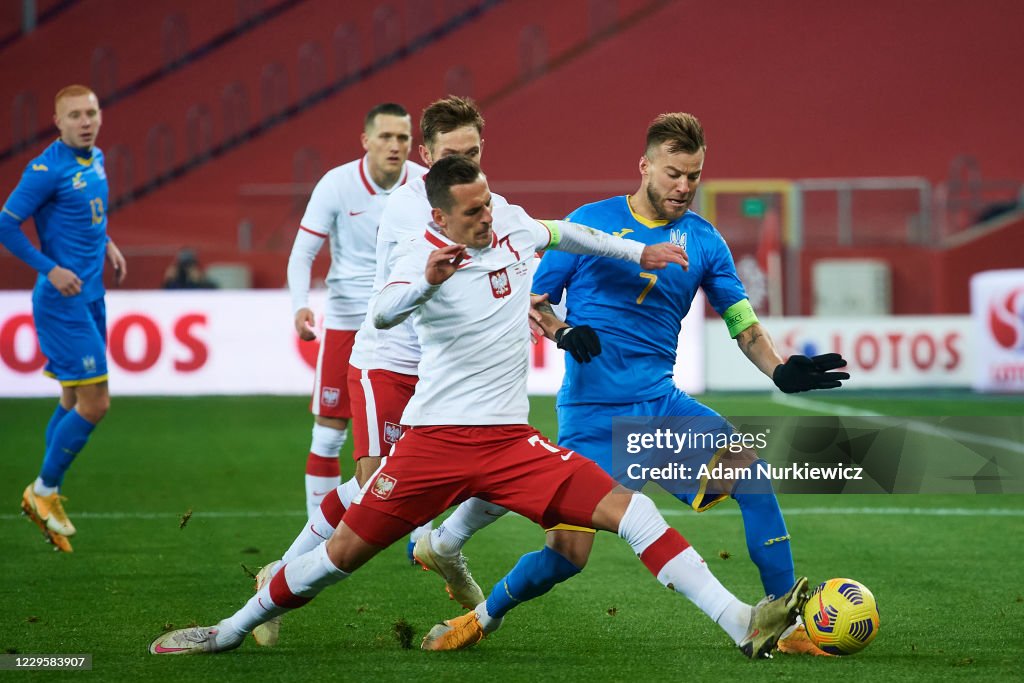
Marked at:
<point>636,313</point>
<point>67,195</point>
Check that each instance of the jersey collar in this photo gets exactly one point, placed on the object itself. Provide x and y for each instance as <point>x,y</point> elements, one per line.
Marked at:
<point>646,222</point>
<point>437,239</point>
<point>84,157</point>
<point>374,188</point>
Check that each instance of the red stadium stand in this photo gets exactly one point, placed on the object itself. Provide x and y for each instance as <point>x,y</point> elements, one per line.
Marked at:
<point>162,33</point>
<point>796,90</point>
<point>206,205</point>
<point>11,18</point>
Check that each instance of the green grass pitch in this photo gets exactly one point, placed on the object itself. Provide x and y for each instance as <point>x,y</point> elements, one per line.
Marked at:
<point>948,571</point>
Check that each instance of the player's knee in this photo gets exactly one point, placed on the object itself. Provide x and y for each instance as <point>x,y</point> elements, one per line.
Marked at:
<point>93,407</point>
<point>574,546</point>
<point>347,551</point>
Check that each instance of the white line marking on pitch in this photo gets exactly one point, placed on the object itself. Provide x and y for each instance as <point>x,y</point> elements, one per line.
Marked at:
<point>668,512</point>
<point>920,512</point>
<point>893,421</point>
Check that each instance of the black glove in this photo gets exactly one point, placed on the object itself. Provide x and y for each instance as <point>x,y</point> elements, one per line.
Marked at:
<point>801,373</point>
<point>582,342</point>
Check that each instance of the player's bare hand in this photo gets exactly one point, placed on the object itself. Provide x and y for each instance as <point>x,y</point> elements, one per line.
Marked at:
<point>304,324</point>
<point>658,256</point>
<point>535,316</point>
<point>443,263</point>
<point>117,262</point>
<point>65,281</point>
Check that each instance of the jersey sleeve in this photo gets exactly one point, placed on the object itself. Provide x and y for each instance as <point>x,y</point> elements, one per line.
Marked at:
<point>724,289</point>
<point>406,288</point>
<point>556,270</point>
<point>554,273</point>
<point>300,266</point>
<point>37,185</point>
<point>322,209</point>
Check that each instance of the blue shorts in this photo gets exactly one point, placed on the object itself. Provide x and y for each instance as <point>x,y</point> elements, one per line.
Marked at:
<point>587,429</point>
<point>73,337</point>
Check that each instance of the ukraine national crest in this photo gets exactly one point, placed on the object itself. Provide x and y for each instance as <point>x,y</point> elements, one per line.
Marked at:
<point>392,432</point>
<point>678,237</point>
<point>89,363</point>
<point>383,486</point>
<point>329,396</point>
<point>500,286</point>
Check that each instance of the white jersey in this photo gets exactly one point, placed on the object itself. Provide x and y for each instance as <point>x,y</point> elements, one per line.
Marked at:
<point>473,328</point>
<point>396,349</point>
<point>345,207</point>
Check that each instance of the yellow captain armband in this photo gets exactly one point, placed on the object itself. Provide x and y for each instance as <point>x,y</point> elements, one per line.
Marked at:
<point>556,234</point>
<point>739,317</point>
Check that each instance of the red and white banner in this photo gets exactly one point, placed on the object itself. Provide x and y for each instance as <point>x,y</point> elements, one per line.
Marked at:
<point>882,352</point>
<point>225,342</point>
<point>997,310</point>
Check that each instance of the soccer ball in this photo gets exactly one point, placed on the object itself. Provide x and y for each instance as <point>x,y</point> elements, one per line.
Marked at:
<point>841,616</point>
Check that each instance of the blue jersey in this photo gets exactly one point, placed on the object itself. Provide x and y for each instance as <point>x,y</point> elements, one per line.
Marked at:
<point>636,313</point>
<point>66,193</point>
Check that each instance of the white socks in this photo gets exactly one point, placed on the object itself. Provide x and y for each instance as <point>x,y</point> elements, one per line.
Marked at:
<point>471,516</point>
<point>679,567</point>
<point>322,469</point>
<point>487,622</point>
<point>298,582</point>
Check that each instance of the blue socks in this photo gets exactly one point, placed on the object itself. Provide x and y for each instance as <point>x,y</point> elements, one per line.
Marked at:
<point>534,575</point>
<point>57,416</point>
<point>66,437</point>
<point>767,538</point>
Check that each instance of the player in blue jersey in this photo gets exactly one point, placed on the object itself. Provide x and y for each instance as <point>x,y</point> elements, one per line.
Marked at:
<point>636,316</point>
<point>65,190</point>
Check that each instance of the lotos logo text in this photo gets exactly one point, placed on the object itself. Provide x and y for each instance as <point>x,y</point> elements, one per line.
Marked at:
<point>136,342</point>
<point>1006,319</point>
<point>907,349</point>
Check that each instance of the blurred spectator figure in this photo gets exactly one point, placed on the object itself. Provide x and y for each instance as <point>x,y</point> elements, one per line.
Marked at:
<point>186,273</point>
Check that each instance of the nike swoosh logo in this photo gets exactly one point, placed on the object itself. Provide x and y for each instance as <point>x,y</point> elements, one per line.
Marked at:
<point>259,601</point>
<point>316,533</point>
<point>356,213</point>
<point>825,621</point>
<point>567,455</point>
<point>322,493</point>
<point>161,650</point>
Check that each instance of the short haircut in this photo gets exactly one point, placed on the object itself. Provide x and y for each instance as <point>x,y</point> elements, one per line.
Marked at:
<point>448,114</point>
<point>452,170</point>
<point>386,108</point>
<point>73,91</point>
<point>682,131</point>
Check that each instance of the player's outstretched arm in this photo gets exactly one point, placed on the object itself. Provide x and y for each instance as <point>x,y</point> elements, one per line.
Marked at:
<point>581,239</point>
<point>797,374</point>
